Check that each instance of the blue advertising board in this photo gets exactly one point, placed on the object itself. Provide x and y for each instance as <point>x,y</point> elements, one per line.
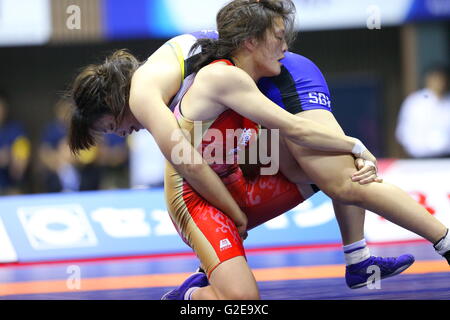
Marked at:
<point>169,18</point>
<point>135,222</point>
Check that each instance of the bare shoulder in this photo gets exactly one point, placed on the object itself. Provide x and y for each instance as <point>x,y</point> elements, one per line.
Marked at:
<point>141,79</point>
<point>220,78</point>
<point>157,65</point>
<point>160,76</point>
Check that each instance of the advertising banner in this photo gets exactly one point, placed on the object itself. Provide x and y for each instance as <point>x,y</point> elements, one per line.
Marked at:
<point>135,222</point>
<point>24,22</point>
<point>169,18</point>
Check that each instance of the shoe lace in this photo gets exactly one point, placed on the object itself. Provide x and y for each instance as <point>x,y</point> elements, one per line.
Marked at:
<point>385,262</point>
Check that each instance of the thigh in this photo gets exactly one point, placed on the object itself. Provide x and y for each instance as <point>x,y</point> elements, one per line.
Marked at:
<point>325,169</point>
<point>289,166</point>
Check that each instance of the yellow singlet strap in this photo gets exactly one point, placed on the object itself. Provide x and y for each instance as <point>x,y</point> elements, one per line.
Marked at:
<point>179,54</point>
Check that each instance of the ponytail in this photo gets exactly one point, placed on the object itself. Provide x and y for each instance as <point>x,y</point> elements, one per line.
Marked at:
<point>211,49</point>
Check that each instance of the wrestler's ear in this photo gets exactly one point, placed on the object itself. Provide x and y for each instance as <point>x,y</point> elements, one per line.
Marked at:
<point>251,44</point>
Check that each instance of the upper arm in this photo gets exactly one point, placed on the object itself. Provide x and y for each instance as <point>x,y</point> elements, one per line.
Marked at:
<point>153,86</point>
<point>159,78</point>
<point>157,118</point>
<point>236,90</point>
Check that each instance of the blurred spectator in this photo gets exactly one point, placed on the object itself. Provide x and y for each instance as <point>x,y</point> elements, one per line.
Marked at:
<point>62,171</point>
<point>145,173</point>
<point>423,127</point>
<point>89,170</point>
<point>14,153</point>
<point>113,162</point>
<point>102,167</point>
<point>59,173</point>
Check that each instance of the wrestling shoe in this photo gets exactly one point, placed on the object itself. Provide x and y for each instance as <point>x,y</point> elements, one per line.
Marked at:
<point>197,279</point>
<point>357,275</point>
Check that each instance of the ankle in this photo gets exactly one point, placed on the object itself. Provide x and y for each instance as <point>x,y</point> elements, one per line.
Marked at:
<point>356,252</point>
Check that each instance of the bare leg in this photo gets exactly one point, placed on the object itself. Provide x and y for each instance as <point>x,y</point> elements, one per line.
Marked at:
<point>351,222</point>
<point>231,280</point>
<point>205,293</point>
<point>350,218</point>
<point>332,175</point>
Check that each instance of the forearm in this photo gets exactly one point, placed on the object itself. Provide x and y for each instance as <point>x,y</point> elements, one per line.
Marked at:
<point>204,180</point>
<point>193,168</point>
<point>243,96</point>
<point>208,184</point>
<point>319,137</point>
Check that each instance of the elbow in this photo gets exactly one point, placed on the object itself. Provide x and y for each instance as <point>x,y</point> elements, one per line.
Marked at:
<point>189,166</point>
<point>193,169</point>
<point>190,170</point>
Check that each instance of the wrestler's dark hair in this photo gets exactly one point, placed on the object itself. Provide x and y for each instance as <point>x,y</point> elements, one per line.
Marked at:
<point>240,20</point>
<point>99,90</point>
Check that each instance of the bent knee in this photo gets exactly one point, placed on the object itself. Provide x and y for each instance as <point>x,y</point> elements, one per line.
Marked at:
<point>350,193</point>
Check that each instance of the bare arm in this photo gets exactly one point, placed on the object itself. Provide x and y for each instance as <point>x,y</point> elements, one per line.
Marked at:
<point>233,88</point>
<point>153,86</point>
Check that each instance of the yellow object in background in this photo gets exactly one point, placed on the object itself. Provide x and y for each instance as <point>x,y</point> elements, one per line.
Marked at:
<point>88,156</point>
<point>21,148</point>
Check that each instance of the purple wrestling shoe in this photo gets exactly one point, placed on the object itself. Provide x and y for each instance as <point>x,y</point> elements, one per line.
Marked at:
<point>357,275</point>
<point>195,280</point>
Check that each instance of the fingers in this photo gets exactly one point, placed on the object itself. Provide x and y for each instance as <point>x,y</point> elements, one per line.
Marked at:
<point>362,173</point>
<point>367,178</point>
<point>367,172</point>
<point>364,176</point>
<point>359,163</point>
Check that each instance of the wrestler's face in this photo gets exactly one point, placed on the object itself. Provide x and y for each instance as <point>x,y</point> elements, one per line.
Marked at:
<point>107,125</point>
<point>271,50</point>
